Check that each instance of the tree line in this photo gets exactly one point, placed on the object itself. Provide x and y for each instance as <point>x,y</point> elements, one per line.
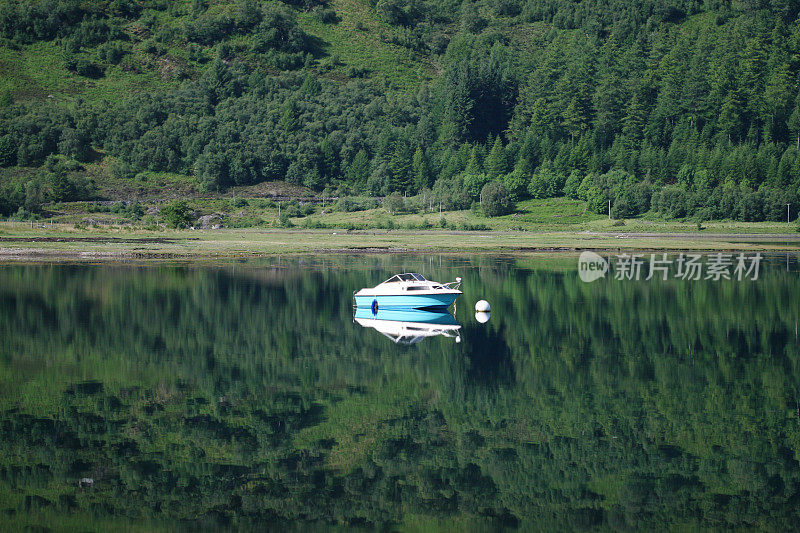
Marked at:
<point>681,108</point>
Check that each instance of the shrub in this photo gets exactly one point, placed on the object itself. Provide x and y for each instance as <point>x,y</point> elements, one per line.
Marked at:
<point>121,170</point>
<point>396,12</point>
<point>177,214</point>
<point>345,204</point>
<point>112,52</point>
<point>24,214</point>
<point>671,202</point>
<point>86,68</point>
<point>326,15</point>
<point>309,223</point>
<point>284,221</point>
<point>546,183</point>
<point>238,202</point>
<point>474,183</point>
<point>262,203</point>
<point>394,203</point>
<point>495,199</point>
<point>508,8</point>
<point>134,211</point>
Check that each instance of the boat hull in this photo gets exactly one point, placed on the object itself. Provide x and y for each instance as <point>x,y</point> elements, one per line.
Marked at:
<point>406,316</point>
<point>405,301</point>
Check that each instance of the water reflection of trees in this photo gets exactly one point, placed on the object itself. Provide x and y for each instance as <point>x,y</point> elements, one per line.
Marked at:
<point>247,393</point>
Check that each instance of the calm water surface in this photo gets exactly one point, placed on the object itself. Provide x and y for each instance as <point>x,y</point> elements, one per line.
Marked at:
<point>246,395</point>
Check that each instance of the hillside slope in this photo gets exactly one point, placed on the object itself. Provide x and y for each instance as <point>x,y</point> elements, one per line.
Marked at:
<point>679,108</point>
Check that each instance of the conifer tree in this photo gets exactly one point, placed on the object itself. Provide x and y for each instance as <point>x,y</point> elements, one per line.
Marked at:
<point>421,170</point>
<point>496,162</point>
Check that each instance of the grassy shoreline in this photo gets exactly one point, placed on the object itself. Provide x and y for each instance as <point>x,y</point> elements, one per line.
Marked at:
<point>62,242</point>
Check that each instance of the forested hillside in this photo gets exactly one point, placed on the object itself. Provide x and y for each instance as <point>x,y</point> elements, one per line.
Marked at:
<point>679,107</point>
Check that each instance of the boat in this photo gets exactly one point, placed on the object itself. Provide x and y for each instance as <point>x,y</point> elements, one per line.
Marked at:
<point>409,326</point>
<point>408,291</point>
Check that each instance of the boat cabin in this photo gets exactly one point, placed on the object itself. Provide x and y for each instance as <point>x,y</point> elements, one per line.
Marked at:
<point>405,278</point>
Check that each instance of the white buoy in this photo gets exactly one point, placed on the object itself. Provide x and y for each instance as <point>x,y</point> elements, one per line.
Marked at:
<point>482,306</point>
<point>482,316</point>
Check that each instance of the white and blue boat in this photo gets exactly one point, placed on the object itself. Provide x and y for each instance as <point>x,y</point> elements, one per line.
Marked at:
<point>408,291</point>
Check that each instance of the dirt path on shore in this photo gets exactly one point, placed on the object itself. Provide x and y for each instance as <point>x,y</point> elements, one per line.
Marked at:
<point>738,237</point>
<point>132,240</point>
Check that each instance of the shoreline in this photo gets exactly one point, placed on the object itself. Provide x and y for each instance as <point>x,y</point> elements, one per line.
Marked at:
<point>63,244</point>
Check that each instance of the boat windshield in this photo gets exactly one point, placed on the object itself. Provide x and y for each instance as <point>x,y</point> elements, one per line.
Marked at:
<point>405,277</point>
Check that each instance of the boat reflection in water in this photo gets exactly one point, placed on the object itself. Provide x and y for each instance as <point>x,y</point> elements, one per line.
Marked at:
<point>409,326</point>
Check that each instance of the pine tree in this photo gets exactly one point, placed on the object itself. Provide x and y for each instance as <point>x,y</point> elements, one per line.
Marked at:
<point>496,162</point>
<point>288,120</point>
<point>794,123</point>
<point>529,151</point>
<point>575,90</point>
<point>399,167</point>
<point>471,21</point>
<point>358,170</point>
<point>634,121</point>
<point>421,170</point>
<point>608,98</point>
<point>475,163</point>
<point>730,121</point>
<point>330,159</point>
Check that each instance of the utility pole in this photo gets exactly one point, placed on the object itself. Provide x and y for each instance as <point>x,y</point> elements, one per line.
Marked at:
<point>609,210</point>
<point>787,213</point>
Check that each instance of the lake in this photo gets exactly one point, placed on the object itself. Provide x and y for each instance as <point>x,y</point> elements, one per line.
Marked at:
<point>245,395</point>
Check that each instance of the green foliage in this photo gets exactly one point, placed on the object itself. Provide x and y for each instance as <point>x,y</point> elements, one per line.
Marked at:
<point>571,184</point>
<point>471,20</point>
<point>495,199</point>
<point>394,203</point>
<point>497,160</point>
<point>673,95</point>
<point>23,214</point>
<point>474,183</point>
<point>421,170</point>
<point>121,170</point>
<point>8,152</point>
<point>402,12</point>
<point>177,214</point>
<point>349,204</point>
<point>516,182</point>
<point>546,182</point>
